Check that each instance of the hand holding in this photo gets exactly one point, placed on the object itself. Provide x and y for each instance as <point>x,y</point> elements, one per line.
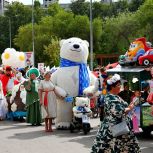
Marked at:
<point>127,110</point>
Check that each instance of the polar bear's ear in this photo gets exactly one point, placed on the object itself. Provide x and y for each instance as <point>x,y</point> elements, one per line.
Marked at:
<point>61,42</point>
<point>86,42</point>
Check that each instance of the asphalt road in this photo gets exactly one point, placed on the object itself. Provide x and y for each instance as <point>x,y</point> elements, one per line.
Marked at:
<point>18,137</point>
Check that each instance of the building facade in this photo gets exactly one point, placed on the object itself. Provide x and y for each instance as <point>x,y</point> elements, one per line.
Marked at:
<point>3,4</point>
<point>108,1</point>
<point>111,1</point>
<point>46,3</point>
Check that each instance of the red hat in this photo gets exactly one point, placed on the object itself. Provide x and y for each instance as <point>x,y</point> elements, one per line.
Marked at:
<point>8,68</point>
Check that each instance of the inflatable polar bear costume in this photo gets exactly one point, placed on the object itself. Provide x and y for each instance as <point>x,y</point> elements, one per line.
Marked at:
<point>73,77</point>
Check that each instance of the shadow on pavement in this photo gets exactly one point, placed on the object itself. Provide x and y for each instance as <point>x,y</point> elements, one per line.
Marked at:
<point>10,125</point>
<point>77,137</point>
<point>29,135</point>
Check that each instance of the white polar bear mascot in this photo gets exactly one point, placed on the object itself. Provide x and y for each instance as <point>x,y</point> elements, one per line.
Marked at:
<point>72,76</point>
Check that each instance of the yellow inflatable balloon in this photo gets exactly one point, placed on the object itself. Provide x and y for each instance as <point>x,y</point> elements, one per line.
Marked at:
<point>6,56</point>
<point>21,58</point>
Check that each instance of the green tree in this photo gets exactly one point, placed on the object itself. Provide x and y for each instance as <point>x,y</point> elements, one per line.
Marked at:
<point>118,7</point>
<point>54,9</point>
<point>52,52</point>
<point>42,37</point>
<point>37,4</point>
<point>79,27</point>
<point>118,32</point>
<point>62,26</point>
<point>80,7</point>
<point>23,39</point>
<point>135,4</point>
<point>61,23</point>
<point>97,33</point>
<point>19,15</point>
<point>101,10</point>
<point>39,12</point>
<point>145,17</point>
<point>4,33</point>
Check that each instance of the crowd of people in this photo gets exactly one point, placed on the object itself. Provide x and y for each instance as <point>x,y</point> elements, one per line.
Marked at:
<point>39,92</point>
<point>117,103</point>
<point>114,105</point>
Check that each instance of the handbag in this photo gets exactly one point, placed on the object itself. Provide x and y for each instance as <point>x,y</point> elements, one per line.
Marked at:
<point>120,129</point>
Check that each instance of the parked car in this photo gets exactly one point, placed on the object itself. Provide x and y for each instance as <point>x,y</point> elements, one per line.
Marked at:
<point>147,58</point>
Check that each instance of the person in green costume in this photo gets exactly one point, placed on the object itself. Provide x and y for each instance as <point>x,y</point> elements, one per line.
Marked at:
<point>32,98</point>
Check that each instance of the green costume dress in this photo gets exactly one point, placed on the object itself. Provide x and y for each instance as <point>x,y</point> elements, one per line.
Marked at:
<point>105,142</point>
<point>32,103</point>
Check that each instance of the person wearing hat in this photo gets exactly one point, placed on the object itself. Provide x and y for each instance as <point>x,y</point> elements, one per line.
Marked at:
<point>116,109</point>
<point>6,79</point>
<point>32,98</point>
<point>48,100</point>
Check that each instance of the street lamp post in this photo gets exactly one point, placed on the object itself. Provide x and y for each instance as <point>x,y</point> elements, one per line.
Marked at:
<point>10,32</point>
<point>33,42</point>
<point>10,27</point>
<point>91,38</point>
<point>9,19</point>
<point>2,6</point>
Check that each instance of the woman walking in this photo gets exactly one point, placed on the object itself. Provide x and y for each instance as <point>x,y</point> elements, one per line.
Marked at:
<point>116,110</point>
<point>48,100</point>
<point>32,98</point>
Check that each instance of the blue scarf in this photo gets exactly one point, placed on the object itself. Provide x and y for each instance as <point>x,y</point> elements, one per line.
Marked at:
<point>83,73</point>
<point>81,108</point>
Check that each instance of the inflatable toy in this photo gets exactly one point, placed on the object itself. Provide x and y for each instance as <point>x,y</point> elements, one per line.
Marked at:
<point>137,49</point>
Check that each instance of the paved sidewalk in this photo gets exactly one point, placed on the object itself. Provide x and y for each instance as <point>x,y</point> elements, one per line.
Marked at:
<point>23,138</point>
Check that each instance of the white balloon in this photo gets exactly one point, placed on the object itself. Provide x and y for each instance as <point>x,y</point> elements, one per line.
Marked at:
<point>13,58</point>
<point>10,53</point>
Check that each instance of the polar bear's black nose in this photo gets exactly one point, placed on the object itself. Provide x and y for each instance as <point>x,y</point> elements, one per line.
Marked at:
<point>76,46</point>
